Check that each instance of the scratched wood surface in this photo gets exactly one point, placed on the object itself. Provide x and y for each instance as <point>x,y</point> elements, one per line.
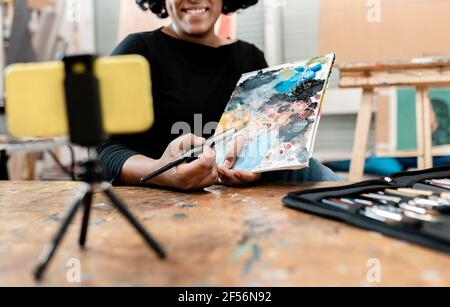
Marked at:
<point>222,237</point>
<point>429,72</point>
<point>427,62</point>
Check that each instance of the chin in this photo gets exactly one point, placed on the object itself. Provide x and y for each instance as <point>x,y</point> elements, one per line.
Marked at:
<point>197,30</point>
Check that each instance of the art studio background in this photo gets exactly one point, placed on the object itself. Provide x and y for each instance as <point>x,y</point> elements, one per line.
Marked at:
<point>287,30</point>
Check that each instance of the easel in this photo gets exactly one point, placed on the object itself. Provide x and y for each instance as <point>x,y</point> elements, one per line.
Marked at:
<point>419,74</point>
<point>52,34</point>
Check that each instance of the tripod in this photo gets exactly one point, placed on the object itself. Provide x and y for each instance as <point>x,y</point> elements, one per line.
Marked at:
<point>92,176</point>
<point>84,116</point>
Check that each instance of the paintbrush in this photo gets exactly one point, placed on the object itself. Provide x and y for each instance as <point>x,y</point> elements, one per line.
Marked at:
<point>190,155</point>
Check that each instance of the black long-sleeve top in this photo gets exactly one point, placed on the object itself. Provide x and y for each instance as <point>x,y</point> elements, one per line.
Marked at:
<point>188,80</point>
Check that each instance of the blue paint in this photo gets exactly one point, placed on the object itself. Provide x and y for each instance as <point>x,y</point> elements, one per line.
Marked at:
<point>316,68</point>
<point>253,153</point>
<point>240,251</point>
<point>98,223</point>
<point>256,256</point>
<point>309,75</point>
<point>53,218</point>
<point>287,86</point>
<point>186,206</point>
<point>181,216</point>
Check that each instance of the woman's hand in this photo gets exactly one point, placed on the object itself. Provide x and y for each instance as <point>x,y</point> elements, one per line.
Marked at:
<point>237,178</point>
<point>192,176</point>
<point>231,177</point>
<point>188,176</point>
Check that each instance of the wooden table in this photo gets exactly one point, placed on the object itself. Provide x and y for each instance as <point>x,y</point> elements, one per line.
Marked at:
<point>222,237</point>
<point>368,76</point>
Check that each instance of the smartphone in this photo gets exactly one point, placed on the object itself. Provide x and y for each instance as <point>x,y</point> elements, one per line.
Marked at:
<point>35,100</point>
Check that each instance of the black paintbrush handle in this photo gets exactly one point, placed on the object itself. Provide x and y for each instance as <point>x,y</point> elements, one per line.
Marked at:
<point>163,169</point>
<point>188,157</point>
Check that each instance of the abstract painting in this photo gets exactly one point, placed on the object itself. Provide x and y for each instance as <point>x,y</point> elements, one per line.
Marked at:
<point>276,112</point>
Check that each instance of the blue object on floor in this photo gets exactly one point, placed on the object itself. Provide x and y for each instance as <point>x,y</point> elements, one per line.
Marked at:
<point>386,166</point>
<point>375,166</point>
<point>437,161</point>
<point>316,172</point>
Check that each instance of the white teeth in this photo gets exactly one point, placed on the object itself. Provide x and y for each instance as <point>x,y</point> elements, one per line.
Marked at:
<point>196,11</point>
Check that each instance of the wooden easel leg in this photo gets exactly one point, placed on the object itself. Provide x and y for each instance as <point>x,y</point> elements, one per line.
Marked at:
<point>428,134</point>
<point>424,133</point>
<point>420,129</point>
<point>30,166</point>
<point>15,166</point>
<point>361,136</point>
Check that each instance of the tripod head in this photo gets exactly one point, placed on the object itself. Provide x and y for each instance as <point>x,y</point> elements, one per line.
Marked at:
<point>83,101</point>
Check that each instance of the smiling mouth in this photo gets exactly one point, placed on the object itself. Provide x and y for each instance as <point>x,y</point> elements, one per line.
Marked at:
<point>196,12</point>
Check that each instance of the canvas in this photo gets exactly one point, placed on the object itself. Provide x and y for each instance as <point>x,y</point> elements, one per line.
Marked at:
<point>276,113</point>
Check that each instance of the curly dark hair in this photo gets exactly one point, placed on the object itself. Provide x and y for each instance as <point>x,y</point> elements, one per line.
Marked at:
<point>159,8</point>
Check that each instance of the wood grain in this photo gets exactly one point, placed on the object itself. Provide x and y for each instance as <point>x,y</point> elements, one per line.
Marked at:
<point>390,76</point>
<point>220,237</point>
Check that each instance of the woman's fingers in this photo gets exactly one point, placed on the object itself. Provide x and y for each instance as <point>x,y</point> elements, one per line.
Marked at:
<point>190,140</point>
<point>247,177</point>
<point>207,160</point>
<point>208,155</point>
<point>199,173</point>
<point>204,172</point>
<point>210,180</point>
<point>233,153</point>
<point>185,143</point>
<point>230,177</point>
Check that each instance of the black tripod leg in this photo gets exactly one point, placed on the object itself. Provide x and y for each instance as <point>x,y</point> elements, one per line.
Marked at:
<point>124,210</point>
<point>50,250</point>
<point>87,202</point>
<point>3,165</point>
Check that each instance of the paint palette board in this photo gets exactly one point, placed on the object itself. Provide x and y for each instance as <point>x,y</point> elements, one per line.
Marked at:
<point>276,112</point>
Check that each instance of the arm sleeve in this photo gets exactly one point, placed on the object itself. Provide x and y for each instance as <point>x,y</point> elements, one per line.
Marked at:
<point>113,156</point>
<point>114,153</point>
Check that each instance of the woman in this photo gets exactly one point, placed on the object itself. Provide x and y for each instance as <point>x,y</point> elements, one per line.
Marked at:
<point>194,72</point>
